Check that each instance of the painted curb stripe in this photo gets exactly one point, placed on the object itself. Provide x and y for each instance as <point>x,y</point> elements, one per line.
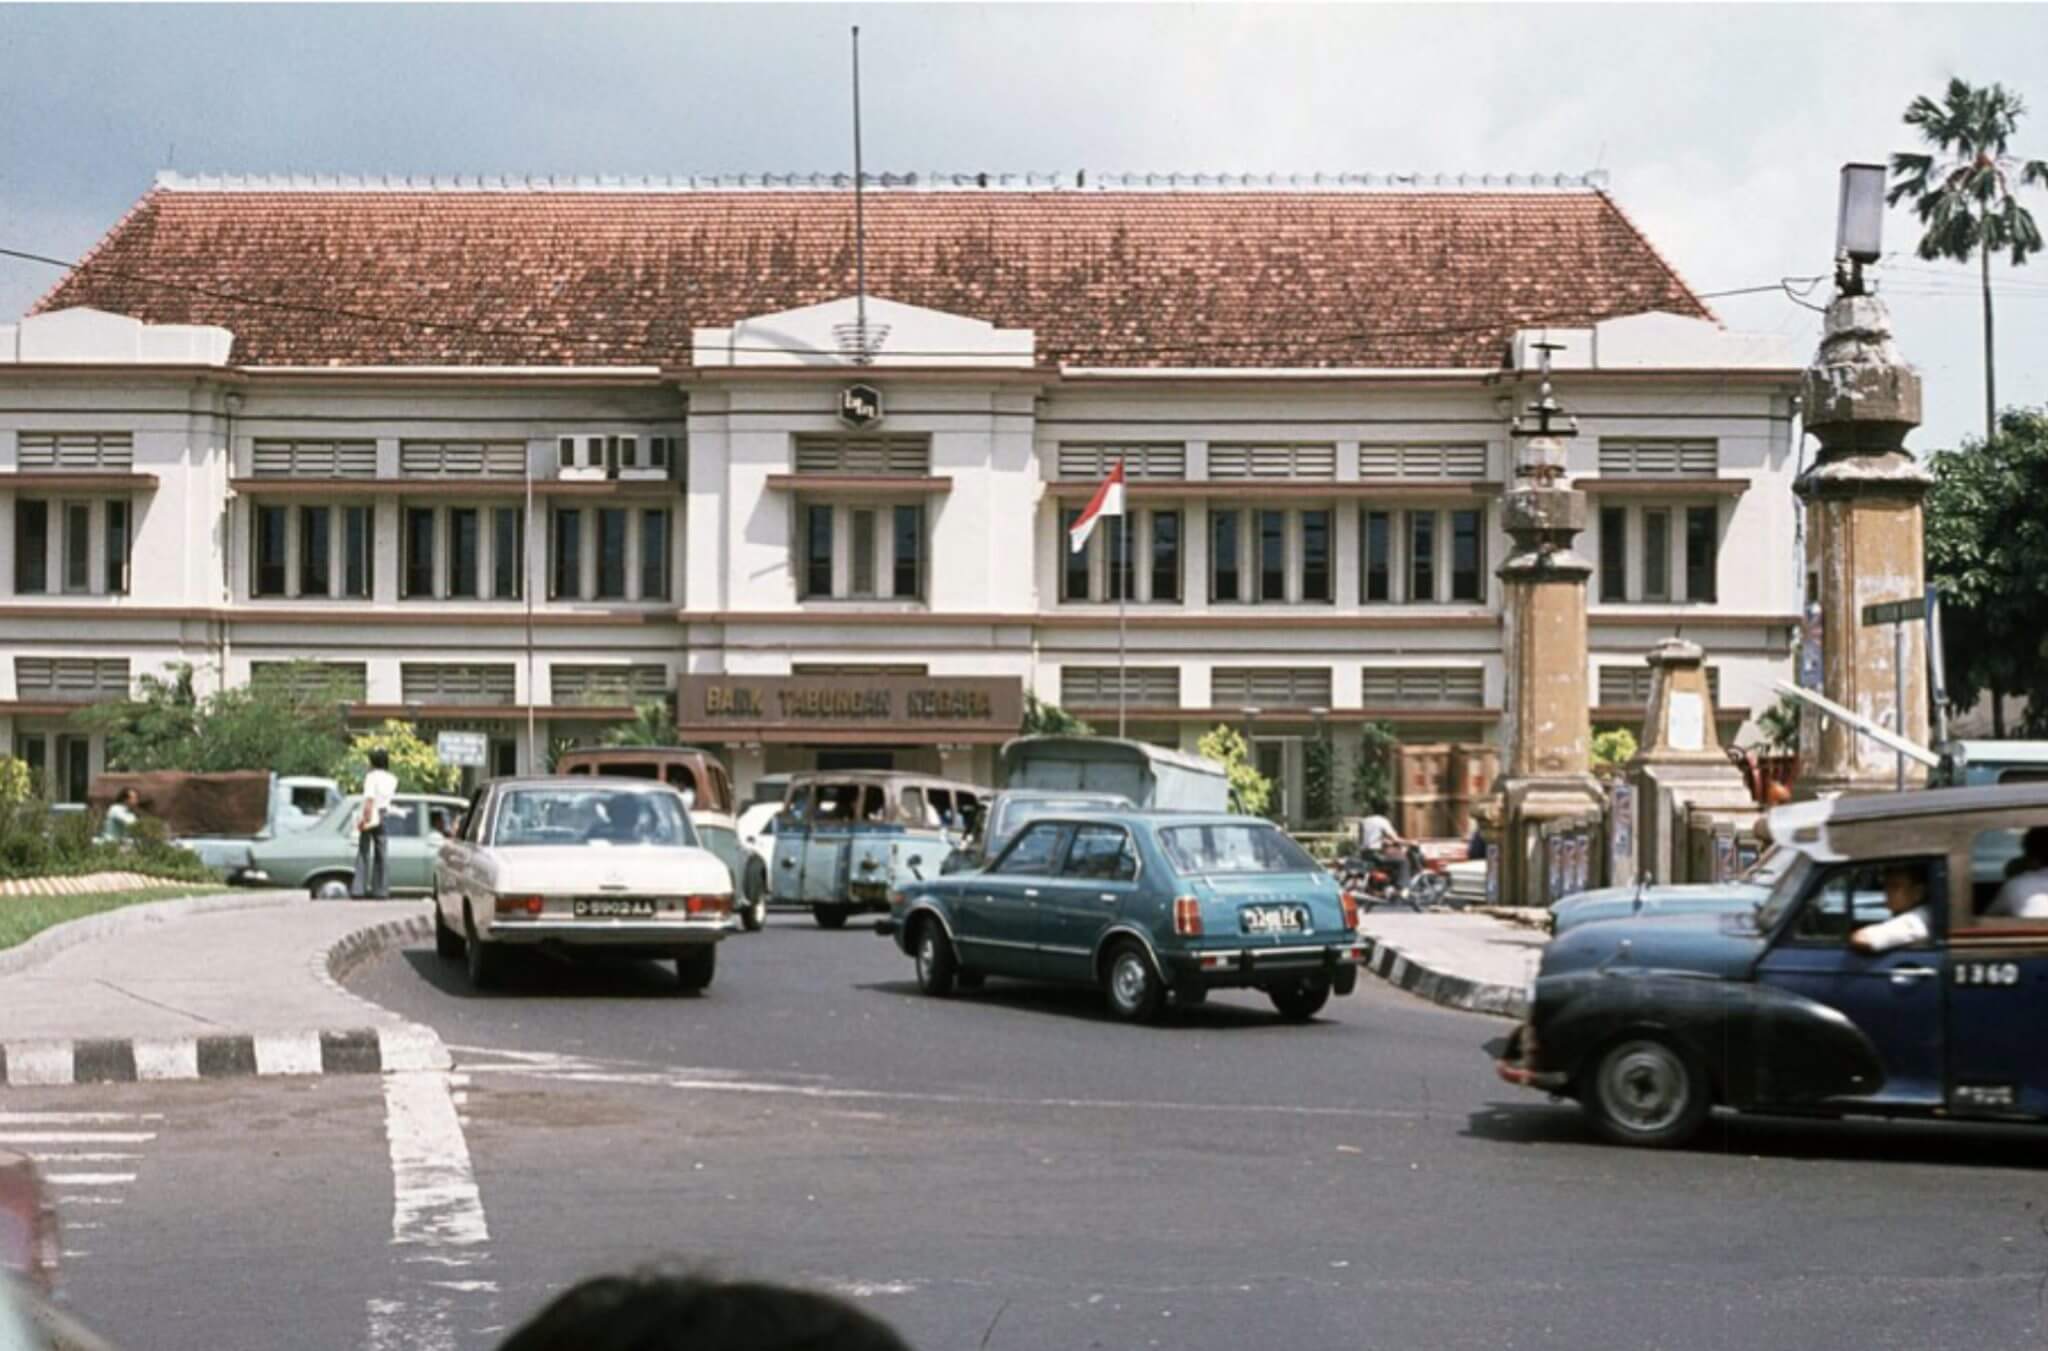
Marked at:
<point>1443,987</point>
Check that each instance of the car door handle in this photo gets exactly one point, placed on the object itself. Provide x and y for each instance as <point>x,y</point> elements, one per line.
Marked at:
<point>1110,897</point>
<point>1906,975</point>
<point>1032,892</point>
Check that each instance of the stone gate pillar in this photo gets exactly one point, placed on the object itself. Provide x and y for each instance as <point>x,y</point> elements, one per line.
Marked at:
<point>1548,730</point>
<point>1863,545</point>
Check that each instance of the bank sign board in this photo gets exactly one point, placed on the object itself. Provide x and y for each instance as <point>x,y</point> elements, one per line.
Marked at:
<point>890,706</point>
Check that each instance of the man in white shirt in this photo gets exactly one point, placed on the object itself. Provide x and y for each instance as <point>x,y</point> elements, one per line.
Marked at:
<point>1378,842</point>
<point>2025,895</point>
<point>380,785</point>
<point>1905,895</point>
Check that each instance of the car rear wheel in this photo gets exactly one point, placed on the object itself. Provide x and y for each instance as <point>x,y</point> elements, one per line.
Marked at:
<point>1300,1000</point>
<point>830,916</point>
<point>936,968</point>
<point>1645,1091</point>
<point>447,942</point>
<point>1134,988</point>
<point>329,888</point>
<point>696,967</point>
<point>483,961</point>
<point>754,892</point>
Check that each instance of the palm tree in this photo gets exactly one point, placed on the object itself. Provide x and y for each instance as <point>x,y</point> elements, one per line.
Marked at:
<point>1966,200</point>
<point>653,724</point>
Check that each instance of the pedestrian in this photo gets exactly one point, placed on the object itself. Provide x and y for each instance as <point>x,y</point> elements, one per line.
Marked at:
<point>665,1311</point>
<point>122,816</point>
<point>2025,892</point>
<point>380,785</point>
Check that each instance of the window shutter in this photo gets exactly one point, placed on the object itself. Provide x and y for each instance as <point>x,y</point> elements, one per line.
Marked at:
<point>1273,462</point>
<point>315,459</point>
<point>1422,462</point>
<point>75,452</point>
<point>884,456</point>
<point>79,679</point>
<point>474,459</point>
<point>608,684</point>
<point>441,683</point>
<point>1423,687</point>
<point>303,680</point>
<point>1144,686</point>
<point>1270,687</point>
<point>1660,458</point>
<point>1160,460</point>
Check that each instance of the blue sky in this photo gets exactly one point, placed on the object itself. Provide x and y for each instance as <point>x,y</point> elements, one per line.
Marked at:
<point>1721,127</point>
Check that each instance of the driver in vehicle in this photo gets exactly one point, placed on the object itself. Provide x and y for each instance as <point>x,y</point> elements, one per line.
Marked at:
<point>1905,895</point>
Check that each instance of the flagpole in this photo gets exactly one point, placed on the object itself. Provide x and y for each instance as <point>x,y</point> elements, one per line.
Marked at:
<point>1125,572</point>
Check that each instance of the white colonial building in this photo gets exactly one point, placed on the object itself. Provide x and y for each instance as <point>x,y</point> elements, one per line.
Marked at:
<point>514,457</point>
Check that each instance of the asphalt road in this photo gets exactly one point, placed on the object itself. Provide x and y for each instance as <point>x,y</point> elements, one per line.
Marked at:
<point>1011,1169</point>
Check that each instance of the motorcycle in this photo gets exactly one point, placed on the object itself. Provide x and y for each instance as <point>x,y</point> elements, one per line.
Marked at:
<point>1370,883</point>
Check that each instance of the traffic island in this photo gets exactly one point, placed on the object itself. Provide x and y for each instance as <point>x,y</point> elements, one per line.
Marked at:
<point>1462,961</point>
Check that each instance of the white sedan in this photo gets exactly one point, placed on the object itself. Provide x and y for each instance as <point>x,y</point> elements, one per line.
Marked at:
<point>601,865</point>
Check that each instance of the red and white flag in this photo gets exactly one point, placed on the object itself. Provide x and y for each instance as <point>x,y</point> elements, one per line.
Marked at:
<point>1108,501</point>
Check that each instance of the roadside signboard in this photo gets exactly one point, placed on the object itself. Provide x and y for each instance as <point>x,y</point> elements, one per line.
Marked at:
<point>1896,611</point>
<point>464,749</point>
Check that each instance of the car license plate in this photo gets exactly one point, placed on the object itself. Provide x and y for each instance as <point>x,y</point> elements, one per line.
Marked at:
<point>613,907</point>
<point>1275,919</point>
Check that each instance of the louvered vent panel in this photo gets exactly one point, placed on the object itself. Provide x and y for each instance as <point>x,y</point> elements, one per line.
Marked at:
<point>1424,462</point>
<point>892,456</point>
<point>1629,686</point>
<point>1270,687</point>
<point>316,459</point>
<point>1423,687</point>
<point>608,684</point>
<point>435,683</point>
<point>79,678</point>
<point>1144,686</point>
<point>468,459</point>
<point>306,679</point>
<point>77,451</point>
<point>1273,462</point>
<point>1163,460</point>
<point>1660,459</point>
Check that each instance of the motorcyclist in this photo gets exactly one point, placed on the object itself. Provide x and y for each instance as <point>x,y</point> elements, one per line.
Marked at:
<point>1379,843</point>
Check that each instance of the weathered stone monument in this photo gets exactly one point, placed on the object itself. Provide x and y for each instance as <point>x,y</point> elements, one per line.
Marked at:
<point>1863,546</point>
<point>1682,781</point>
<point>1548,730</point>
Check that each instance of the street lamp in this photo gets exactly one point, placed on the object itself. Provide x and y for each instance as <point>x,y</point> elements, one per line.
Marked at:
<point>1859,225</point>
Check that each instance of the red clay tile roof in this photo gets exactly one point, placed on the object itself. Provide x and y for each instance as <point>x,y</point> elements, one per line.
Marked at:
<point>1275,279</point>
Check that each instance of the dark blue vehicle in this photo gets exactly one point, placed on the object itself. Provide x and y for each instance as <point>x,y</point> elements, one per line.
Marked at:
<point>1797,1004</point>
<point>1145,906</point>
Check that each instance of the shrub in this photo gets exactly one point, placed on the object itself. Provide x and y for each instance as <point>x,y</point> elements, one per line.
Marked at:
<point>413,761</point>
<point>16,783</point>
<point>1614,747</point>
<point>1226,746</point>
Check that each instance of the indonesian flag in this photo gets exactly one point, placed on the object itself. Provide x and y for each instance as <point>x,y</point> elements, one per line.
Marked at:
<point>1108,501</point>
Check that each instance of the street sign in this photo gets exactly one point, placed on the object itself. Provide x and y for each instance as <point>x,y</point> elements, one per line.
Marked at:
<point>464,749</point>
<point>1896,611</point>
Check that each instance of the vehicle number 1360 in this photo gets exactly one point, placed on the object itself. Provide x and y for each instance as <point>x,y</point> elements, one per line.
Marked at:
<point>1987,973</point>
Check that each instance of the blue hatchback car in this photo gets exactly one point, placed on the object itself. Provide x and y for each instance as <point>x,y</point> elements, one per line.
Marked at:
<point>1145,906</point>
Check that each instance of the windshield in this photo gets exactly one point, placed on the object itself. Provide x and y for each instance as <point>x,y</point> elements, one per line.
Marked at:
<point>601,816</point>
<point>721,841</point>
<point>1766,871</point>
<point>1785,885</point>
<point>1015,812</point>
<point>1254,847</point>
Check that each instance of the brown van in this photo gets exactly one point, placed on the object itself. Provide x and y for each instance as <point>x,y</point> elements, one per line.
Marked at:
<point>678,766</point>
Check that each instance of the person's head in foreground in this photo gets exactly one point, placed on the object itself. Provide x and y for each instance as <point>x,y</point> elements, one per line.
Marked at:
<point>669,1311</point>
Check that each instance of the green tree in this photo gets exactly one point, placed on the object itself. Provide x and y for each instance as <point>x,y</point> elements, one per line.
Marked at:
<point>1319,778</point>
<point>1987,534</point>
<point>1965,193</point>
<point>1614,746</point>
<point>290,726</point>
<point>1372,778</point>
<point>413,761</point>
<point>1227,747</point>
<point>1048,719</point>
<point>653,724</point>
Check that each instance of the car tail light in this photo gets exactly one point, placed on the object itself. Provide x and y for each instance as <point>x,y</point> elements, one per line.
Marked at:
<point>1187,916</point>
<point>1350,904</point>
<point>512,906</point>
<point>708,905</point>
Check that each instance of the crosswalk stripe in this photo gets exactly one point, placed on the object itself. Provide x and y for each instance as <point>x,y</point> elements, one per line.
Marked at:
<point>71,1156</point>
<point>73,1118</point>
<point>90,1179</point>
<point>77,1137</point>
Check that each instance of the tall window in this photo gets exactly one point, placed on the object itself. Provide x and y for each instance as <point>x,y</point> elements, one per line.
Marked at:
<point>31,547</point>
<point>313,546</point>
<point>611,553</point>
<point>465,548</point>
<point>1657,555</point>
<point>1315,555</point>
<point>1613,554</point>
<point>116,546</point>
<point>1702,553</point>
<point>654,554</point>
<point>508,553</point>
<point>77,546</point>
<point>358,565</point>
<point>1223,557</point>
<point>1073,562</point>
<point>1166,555</point>
<point>566,577</point>
<point>818,550</point>
<point>1422,556</point>
<point>1378,545</point>
<point>271,561</point>
<point>1468,556</point>
<point>1272,555</point>
<point>861,525</point>
<point>419,551</point>
<point>909,552</point>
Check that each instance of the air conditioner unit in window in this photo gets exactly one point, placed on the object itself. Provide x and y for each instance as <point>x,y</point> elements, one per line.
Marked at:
<point>643,457</point>
<point>580,457</point>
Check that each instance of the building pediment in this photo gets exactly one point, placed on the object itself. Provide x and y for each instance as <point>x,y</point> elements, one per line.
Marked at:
<point>835,334</point>
<point>83,334</point>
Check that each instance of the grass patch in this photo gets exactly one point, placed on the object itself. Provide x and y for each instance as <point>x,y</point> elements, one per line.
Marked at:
<point>23,917</point>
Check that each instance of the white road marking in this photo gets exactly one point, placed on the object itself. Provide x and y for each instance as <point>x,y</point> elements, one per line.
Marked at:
<point>76,1137</point>
<point>73,1118</point>
<point>67,1156</point>
<point>79,1200</point>
<point>434,1194</point>
<point>89,1179</point>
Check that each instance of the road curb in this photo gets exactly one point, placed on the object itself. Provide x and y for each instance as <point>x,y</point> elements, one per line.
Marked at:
<point>127,919</point>
<point>1397,968</point>
<point>356,1048</point>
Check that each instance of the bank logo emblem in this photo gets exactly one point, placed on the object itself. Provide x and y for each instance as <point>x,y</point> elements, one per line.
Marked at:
<point>860,406</point>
